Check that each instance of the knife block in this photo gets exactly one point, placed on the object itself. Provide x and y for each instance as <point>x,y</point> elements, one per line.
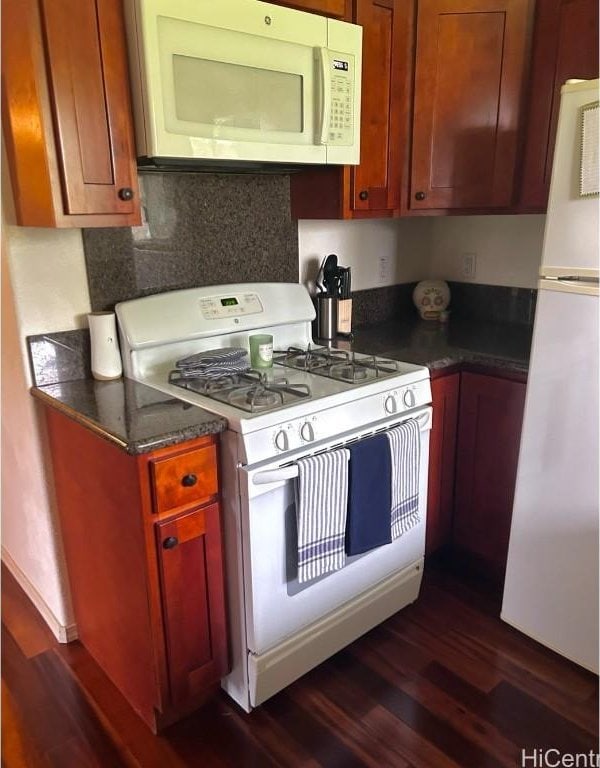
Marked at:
<point>344,317</point>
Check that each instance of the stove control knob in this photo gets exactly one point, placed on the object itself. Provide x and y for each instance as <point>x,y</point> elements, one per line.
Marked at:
<point>307,433</point>
<point>281,440</point>
<point>390,404</point>
<point>409,398</point>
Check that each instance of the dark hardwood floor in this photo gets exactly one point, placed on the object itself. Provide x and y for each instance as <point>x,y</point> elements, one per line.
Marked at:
<point>443,683</point>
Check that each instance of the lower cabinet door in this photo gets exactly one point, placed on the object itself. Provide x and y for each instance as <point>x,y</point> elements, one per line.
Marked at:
<point>442,461</point>
<point>490,420</point>
<point>193,602</point>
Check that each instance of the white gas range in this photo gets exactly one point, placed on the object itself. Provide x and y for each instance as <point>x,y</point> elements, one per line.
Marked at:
<point>312,400</point>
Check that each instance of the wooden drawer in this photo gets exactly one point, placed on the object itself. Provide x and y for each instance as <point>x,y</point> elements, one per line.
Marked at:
<point>184,479</point>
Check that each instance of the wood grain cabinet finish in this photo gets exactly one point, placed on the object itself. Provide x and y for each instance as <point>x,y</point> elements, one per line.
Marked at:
<point>67,114</point>
<point>371,189</point>
<point>184,479</point>
<point>490,420</point>
<point>147,588</point>
<point>470,68</point>
<point>442,461</point>
<point>337,9</point>
<point>565,46</point>
<point>191,572</point>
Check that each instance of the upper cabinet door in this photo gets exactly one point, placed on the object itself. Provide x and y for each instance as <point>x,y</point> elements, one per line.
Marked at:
<point>470,64</point>
<point>86,56</point>
<point>565,46</point>
<point>64,66</point>
<point>371,189</point>
<point>376,181</point>
<point>337,9</point>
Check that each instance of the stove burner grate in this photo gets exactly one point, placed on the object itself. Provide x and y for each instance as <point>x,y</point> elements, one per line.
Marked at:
<point>338,364</point>
<point>309,359</point>
<point>252,391</point>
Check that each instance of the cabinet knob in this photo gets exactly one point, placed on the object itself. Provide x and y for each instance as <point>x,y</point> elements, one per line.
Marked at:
<point>420,196</point>
<point>363,194</point>
<point>189,480</point>
<point>126,193</point>
<point>170,542</point>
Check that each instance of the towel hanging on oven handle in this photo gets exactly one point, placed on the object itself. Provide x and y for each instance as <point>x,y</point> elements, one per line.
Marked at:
<point>290,471</point>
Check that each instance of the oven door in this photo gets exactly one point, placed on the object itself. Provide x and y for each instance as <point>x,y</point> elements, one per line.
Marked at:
<point>277,606</point>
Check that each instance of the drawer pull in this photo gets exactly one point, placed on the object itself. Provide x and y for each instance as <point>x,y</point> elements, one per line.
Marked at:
<point>189,480</point>
<point>170,542</point>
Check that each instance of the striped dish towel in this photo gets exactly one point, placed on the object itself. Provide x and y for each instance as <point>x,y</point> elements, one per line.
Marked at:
<point>405,449</point>
<point>321,508</point>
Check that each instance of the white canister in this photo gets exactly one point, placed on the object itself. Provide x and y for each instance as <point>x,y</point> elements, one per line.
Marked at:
<point>106,356</point>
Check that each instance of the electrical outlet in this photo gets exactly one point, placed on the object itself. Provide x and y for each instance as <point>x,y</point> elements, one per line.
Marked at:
<point>385,270</point>
<point>469,265</point>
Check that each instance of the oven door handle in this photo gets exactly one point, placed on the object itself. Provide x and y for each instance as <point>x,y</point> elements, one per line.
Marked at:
<point>275,475</point>
<point>291,470</point>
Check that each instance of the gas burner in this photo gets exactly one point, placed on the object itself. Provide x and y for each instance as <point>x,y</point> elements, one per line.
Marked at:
<point>258,397</point>
<point>349,372</point>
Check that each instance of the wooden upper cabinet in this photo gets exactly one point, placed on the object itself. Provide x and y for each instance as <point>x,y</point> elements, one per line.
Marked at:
<point>338,9</point>
<point>72,161</point>
<point>471,58</point>
<point>565,46</point>
<point>375,183</point>
<point>371,189</point>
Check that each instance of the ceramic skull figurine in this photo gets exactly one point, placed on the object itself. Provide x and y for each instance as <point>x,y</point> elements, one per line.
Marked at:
<point>431,297</point>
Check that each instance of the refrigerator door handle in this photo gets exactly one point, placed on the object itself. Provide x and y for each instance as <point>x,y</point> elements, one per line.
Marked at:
<point>571,284</point>
<point>576,279</point>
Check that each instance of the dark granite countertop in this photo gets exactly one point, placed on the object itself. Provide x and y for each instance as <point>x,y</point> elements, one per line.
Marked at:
<point>140,419</point>
<point>439,346</point>
<point>135,417</point>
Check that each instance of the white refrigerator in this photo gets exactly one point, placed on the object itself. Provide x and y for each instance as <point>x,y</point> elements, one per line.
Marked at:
<point>551,586</point>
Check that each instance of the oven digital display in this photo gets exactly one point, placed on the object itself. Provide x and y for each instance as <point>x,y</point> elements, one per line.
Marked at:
<point>229,302</point>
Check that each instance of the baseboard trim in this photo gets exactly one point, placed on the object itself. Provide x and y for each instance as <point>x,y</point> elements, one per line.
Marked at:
<point>64,634</point>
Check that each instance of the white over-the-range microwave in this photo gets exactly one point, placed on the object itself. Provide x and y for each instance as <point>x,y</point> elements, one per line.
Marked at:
<point>231,82</point>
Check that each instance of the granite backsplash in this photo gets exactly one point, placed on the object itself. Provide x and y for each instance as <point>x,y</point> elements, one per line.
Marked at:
<point>201,229</point>
<point>469,301</point>
<point>492,303</point>
<point>65,356</point>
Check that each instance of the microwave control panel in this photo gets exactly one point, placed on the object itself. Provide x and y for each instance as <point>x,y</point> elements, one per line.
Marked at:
<point>218,307</point>
<point>341,116</point>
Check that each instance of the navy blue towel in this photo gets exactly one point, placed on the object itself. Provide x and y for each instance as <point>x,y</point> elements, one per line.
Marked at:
<point>368,524</point>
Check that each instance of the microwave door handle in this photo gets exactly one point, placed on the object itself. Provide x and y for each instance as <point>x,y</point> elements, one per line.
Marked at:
<point>325,92</point>
<point>275,475</point>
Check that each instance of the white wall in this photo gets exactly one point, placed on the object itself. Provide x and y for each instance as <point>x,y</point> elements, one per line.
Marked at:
<point>382,252</point>
<point>44,289</point>
<point>508,249</point>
